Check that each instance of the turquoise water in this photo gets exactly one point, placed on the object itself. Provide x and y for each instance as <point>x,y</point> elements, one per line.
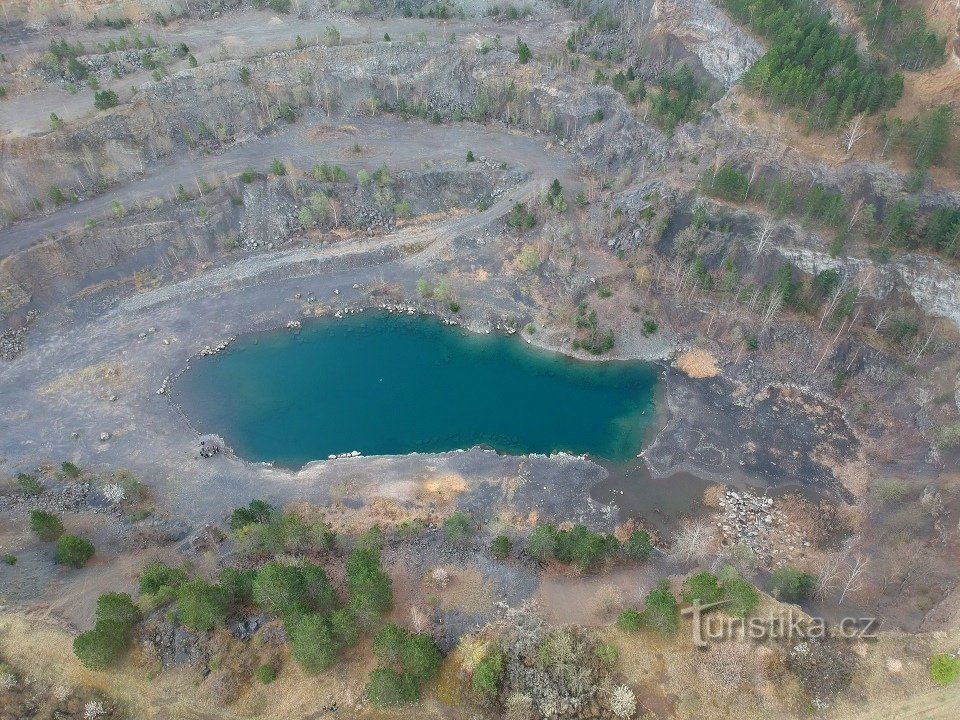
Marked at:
<point>386,385</point>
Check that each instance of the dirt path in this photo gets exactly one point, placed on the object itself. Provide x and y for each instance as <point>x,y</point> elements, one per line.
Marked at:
<point>242,35</point>
<point>403,146</point>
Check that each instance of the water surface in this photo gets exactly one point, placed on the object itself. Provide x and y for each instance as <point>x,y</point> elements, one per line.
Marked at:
<point>387,385</point>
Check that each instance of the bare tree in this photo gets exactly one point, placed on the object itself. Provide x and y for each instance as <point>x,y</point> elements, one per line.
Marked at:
<point>832,303</point>
<point>853,576</point>
<point>773,308</point>
<point>418,619</point>
<point>692,542</point>
<point>921,349</point>
<point>763,234</point>
<point>854,131</point>
<point>830,573</point>
<point>880,318</point>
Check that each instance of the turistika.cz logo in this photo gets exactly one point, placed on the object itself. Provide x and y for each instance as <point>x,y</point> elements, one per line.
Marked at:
<point>785,625</point>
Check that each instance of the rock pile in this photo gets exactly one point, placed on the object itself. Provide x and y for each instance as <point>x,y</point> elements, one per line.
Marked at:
<point>755,521</point>
<point>70,498</point>
<point>214,349</point>
<point>12,341</point>
<point>175,645</point>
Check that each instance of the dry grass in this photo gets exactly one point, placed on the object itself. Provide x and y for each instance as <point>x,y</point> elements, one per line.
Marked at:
<point>466,590</point>
<point>105,374</point>
<point>698,364</point>
<point>669,675</point>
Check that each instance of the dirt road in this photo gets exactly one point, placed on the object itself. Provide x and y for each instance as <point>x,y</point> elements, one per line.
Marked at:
<point>243,35</point>
<point>402,146</point>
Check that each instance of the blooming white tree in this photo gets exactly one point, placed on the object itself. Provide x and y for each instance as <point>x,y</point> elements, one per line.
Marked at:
<point>114,493</point>
<point>440,576</point>
<point>94,710</point>
<point>623,702</point>
<point>7,681</point>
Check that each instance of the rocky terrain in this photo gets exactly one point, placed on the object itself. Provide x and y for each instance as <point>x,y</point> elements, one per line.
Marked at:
<point>176,174</point>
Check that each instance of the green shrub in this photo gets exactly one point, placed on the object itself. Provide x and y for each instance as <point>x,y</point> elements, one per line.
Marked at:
<point>501,547</point>
<point>312,642</point>
<point>70,470</point>
<point>284,534</point>
<point>523,52</point>
<point>116,613</point>
<point>258,511</point>
<point>29,484</point>
<point>157,575</point>
<point>661,612</point>
<point>387,687</point>
<point>9,559</point>
<point>521,217</point>
<point>608,653</point>
<point>791,584</point>
<point>105,99</point>
<point>201,605</point>
<point>277,168</point>
<point>286,589</point>
<point>46,526</point>
<point>238,584</point>
<point>944,669</point>
<point>742,597</point>
<point>583,547</point>
<point>266,674</point>
<point>105,645</point>
<point>74,550</point>
<point>470,157</point>
<point>97,650</point>
<point>371,591</point>
<point>703,587</point>
<point>487,674</point>
<point>409,659</point>
<point>414,654</point>
<point>638,545</point>
<point>630,620</point>
<point>458,528</point>
<point>542,543</point>
<point>343,625</point>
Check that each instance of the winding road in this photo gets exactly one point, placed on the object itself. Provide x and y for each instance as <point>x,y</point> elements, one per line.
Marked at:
<point>401,145</point>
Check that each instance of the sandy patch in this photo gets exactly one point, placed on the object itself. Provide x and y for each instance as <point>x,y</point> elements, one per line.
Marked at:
<point>698,364</point>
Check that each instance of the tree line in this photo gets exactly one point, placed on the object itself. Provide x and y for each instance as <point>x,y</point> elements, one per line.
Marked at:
<point>900,225</point>
<point>810,65</point>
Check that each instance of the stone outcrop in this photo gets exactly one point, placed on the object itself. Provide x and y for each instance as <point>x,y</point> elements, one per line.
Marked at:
<point>723,48</point>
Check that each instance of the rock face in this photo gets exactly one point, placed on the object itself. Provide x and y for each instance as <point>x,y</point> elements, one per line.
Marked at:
<point>931,284</point>
<point>724,50</point>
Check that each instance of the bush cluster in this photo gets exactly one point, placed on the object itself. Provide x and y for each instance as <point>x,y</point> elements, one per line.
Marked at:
<point>406,661</point>
<point>103,646</point>
<point>583,547</point>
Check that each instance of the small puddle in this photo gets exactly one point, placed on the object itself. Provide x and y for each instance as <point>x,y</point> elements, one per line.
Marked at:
<point>659,502</point>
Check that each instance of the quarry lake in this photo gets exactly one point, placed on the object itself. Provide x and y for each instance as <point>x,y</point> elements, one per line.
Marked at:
<point>385,384</point>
